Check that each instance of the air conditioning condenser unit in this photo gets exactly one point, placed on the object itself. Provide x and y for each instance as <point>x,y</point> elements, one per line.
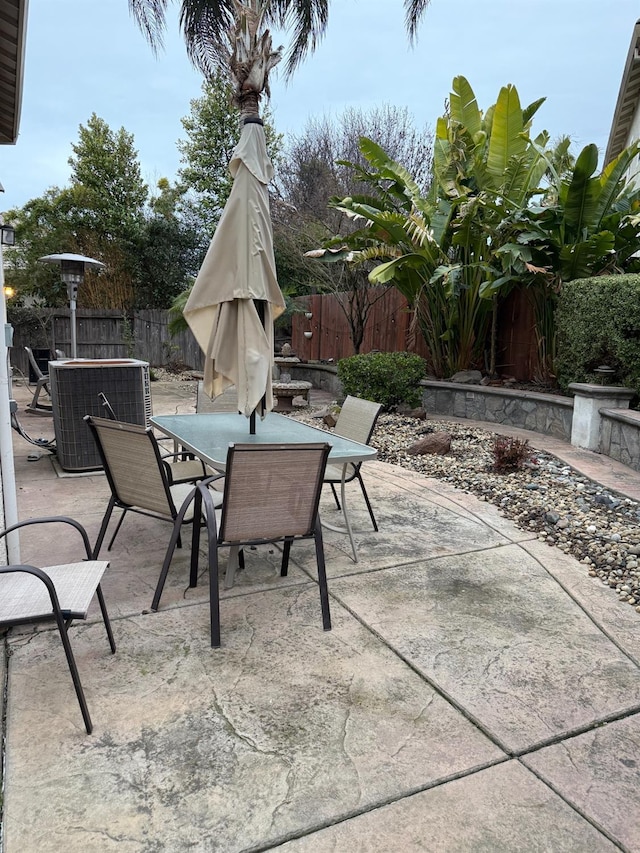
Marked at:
<point>76,386</point>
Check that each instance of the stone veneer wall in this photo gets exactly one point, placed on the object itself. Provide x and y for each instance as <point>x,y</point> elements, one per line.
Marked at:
<point>545,413</point>
<point>620,436</point>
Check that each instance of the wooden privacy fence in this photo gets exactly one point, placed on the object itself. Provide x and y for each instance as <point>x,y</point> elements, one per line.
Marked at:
<point>144,334</point>
<point>110,334</point>
<point>388,330</point>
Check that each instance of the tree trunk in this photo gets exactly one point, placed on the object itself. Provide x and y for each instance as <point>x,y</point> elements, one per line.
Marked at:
<point>250,104</point>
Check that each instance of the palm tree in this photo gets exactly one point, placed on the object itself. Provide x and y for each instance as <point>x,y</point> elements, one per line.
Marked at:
<point>232,36</point>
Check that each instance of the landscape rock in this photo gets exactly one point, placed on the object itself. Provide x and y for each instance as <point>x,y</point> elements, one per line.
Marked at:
<point>467,377</point>
<point>438,443</point>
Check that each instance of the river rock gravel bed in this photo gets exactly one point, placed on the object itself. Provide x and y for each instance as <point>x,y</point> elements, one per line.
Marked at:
<point>600,528</point>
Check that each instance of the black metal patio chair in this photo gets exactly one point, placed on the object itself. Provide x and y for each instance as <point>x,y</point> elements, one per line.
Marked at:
<point>63,593</point>
<point>271,494</point>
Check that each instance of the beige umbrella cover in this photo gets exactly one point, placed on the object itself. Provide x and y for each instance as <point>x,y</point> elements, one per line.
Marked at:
<point>239,267</point>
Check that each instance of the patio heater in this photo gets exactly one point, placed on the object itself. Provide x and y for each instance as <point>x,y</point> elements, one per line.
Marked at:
<point>72,269</point>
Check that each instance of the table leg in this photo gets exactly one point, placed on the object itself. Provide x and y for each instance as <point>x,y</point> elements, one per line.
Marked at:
<point>347,521</point>
<point>231,566</point>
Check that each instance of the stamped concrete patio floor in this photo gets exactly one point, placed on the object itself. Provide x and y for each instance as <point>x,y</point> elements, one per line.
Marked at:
<point>478,692</point>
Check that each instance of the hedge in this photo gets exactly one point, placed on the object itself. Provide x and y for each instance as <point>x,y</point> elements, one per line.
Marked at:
<point>598,323</point>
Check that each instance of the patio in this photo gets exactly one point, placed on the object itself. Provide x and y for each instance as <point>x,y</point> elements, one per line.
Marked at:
<point>477,692</point>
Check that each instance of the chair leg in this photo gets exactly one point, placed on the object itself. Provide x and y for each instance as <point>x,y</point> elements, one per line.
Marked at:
<point>214,591</point>
<point>195,539</point>
<point>73,669</point>
<point>117,530</point>
<point>103,528</point>
<point>175,535</point>
<point>335,495</point>
<point>284,567</point>
<point>322,577</point>
<point>367,501</point>
<point>105,617</point>
<point>233,561</point>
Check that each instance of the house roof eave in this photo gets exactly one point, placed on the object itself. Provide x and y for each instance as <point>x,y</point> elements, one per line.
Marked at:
<point>628,100</point>
<point>13,28</point>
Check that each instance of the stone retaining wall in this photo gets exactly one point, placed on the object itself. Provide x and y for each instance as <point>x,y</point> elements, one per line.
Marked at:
<point>544,413</point>
<point>620,436</point>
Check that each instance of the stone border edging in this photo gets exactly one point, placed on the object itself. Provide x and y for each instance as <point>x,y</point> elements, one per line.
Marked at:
<point>544,413</point>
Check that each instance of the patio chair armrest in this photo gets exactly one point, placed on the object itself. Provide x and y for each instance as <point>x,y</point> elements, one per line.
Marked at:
<point>53,519</point>
<point>211,479</point>
<point>165,457</point>
<point>179,454</point>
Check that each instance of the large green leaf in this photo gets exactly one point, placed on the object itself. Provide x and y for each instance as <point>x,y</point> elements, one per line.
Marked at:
<point>529,112</point>
<point>581,260</point>
<point>387,168</point>
<point>522,176</point>
<point>464,106</point>
<point>385,273</point>
<point>444,169</point>
<point>581,199</point>
<point>507,139</point>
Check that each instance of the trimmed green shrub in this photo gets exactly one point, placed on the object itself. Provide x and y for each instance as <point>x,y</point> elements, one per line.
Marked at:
<point>389,378</point>
<point>598,323</point>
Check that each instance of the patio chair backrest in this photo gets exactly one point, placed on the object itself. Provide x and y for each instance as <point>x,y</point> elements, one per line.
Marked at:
<point>271,491</point>
<point>132,464</point>
<point>34,364</point>
<point>357,419</point>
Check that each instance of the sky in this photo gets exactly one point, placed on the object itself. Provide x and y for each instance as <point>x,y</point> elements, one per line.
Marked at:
<point>85,56</point>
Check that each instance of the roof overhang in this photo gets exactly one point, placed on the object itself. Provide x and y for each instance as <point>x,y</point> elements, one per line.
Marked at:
<point>628,100</point>
<point>13,28</point>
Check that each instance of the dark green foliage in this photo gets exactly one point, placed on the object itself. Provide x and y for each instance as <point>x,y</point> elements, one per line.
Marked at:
<point>598,323</point>
<point>389,378</point>
<point>509,453</point>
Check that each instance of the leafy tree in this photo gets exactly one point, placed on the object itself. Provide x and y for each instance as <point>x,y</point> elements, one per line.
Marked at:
<point>100,214</point>
<point>148,252</point>
<point>488,223</point>
<point>43,227</point>
<point>445,250</point>
<point>106,175</point>
<point>170,249</point>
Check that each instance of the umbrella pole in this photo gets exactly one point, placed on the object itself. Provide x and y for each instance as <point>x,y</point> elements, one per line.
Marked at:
<point>259,303</point>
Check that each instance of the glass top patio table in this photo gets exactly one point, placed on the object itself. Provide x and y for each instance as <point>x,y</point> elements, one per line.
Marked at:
<point>208,436</point>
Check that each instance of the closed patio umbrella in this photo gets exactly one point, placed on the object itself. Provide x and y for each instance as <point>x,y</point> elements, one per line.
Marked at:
<point>236,296</point>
